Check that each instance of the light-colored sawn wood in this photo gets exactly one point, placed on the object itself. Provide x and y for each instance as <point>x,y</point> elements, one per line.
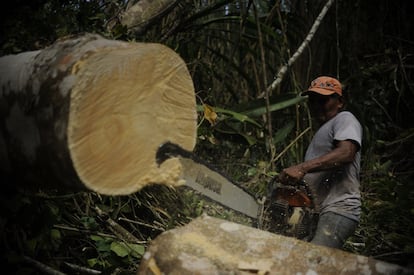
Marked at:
<point>118,103</point>
<point>136,99</point>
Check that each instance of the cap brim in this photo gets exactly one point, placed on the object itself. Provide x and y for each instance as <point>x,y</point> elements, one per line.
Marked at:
<point>319,91</point>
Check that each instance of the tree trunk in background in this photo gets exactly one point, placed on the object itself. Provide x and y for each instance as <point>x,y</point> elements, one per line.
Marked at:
<point>138,17</point>
<point>90,112</point>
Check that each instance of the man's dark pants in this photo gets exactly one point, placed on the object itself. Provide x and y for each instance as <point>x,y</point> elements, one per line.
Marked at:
<point>333,230</point>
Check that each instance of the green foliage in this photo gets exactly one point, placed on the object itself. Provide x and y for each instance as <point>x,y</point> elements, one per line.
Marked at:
<point>244,121</point>
<point>65,230</point>
<point>106,247</point>
<point>32,25</point>
<point>387,228</point>
<point>387,223</point>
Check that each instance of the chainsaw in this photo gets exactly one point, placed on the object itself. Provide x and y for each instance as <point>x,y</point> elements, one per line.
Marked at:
<point>286,209</point>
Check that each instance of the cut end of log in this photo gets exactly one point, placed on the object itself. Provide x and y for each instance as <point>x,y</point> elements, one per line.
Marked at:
<point>126,103</point>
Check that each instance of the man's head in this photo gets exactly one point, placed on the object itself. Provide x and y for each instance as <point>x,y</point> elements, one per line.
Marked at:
<point>325,98</point>
<point>325,85</point>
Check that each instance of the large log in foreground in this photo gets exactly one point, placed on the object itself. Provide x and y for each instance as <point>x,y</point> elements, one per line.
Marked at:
<point>213,246</point>
<point>91,112</point>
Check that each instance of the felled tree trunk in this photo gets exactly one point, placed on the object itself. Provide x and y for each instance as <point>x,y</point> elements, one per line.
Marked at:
<point>91,112</point>
<point>213,246</point>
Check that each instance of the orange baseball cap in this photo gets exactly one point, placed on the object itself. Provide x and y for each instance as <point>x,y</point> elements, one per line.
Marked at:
<point>325,85</point>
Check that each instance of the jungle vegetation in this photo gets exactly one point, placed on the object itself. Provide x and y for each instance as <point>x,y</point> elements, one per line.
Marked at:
<point>234,50</point>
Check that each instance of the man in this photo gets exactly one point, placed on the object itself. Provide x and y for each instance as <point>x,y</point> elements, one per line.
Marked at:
<point>332,164</point>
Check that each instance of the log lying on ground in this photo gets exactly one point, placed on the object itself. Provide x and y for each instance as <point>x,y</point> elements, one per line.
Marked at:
<point>213,246</point>
<point>91,112</point>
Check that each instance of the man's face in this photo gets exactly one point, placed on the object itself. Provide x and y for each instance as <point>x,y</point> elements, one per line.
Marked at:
<point>324,107</point>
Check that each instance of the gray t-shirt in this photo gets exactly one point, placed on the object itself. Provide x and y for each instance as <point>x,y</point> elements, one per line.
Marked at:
<point>336,190</point>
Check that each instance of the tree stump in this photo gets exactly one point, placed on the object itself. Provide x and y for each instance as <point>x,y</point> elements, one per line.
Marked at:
<point>90,112</point>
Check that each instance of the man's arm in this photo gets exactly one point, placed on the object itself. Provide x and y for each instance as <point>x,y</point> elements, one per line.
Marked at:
<point>343,153</point>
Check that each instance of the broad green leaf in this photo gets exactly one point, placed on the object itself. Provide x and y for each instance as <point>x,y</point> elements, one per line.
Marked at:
<point>92,262</point>
<point>137,250</point>
<point>274,106</point>
<point>124,249</point>
<point>102,244</point>
<point>120,249</point>
<point>96,238</point>
<point>255,109</point>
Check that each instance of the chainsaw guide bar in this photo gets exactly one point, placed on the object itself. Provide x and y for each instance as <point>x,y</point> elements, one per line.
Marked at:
<point>209,182</point>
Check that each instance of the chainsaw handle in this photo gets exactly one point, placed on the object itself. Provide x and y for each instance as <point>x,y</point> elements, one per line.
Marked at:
<point>275,181</point>
<point>275,185</point>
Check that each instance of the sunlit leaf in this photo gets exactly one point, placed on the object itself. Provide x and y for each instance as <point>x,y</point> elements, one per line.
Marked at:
<point>209,114</point>
<point>238,116</point>
<point>231,114</point>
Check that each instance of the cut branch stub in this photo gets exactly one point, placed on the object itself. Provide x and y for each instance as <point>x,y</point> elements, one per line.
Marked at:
<point>116,103</point>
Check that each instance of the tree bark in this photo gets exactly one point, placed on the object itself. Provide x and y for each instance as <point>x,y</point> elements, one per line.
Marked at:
<point>138,17</point>
<point>209,245</point>
<point>89,112</point>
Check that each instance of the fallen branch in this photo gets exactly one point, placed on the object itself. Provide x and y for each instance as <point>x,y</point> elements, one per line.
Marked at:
<point>82,269</point>
<point>44,269</point>
<point>117,229</point>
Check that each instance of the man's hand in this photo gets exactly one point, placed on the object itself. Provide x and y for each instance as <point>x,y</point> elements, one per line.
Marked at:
<point>292,174</point>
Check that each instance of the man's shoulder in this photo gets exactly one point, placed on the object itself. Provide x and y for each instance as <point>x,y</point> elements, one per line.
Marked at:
<point>347,126</point>
<point>346,115</point>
